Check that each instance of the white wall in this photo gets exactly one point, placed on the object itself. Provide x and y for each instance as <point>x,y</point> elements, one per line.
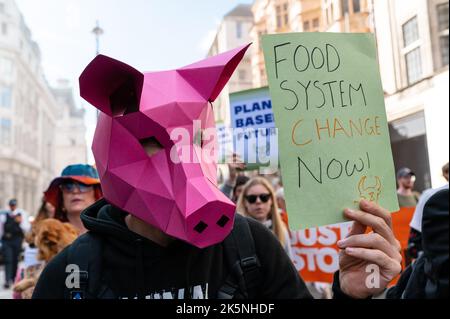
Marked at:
<point>437,121</point>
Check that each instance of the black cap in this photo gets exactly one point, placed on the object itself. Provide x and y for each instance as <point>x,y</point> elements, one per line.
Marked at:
<point>404,172</point>
<point>13,202</point>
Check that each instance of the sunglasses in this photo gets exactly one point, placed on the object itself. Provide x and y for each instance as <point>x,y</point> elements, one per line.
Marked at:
<point>253,198</point>
<point>70,187</point>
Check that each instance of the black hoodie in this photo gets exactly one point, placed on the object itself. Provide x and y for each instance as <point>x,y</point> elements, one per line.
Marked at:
<point>135,266</point>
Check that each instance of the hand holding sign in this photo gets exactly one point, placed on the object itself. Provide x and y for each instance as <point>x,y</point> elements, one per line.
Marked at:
<point>235,165</point>
<point>369,262</point>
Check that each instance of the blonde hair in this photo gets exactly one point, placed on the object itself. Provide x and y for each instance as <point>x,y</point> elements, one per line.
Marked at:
<point>278,227</point>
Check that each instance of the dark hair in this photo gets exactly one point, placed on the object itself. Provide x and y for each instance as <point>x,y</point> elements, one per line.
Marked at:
<point>42,213</point>
<point>445,169</point>
<point>61,213</point>
<point>240,181</point>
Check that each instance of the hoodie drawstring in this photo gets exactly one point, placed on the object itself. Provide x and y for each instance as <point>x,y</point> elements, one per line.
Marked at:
<point>140,280</point>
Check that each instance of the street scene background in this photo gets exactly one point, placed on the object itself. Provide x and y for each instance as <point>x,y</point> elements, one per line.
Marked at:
<point>45,45</point>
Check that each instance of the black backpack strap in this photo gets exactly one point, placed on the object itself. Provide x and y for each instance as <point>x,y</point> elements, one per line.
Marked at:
<point>245,268</point>
<point>86,254</point>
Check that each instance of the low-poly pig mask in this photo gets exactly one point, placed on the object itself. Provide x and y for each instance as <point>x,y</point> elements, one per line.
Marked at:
<point>138,110</point>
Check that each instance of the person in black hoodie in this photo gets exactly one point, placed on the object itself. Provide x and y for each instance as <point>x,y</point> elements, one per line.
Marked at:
<point>164,230</point>
<point>139,261</point>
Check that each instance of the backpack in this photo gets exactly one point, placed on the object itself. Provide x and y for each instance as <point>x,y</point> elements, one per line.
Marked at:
<point>428,276</point>
<point>243,281</point>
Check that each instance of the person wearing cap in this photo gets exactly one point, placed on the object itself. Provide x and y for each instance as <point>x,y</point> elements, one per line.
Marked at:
<point>77,188</point>
<point>406,179</point>
<point>13,234</point>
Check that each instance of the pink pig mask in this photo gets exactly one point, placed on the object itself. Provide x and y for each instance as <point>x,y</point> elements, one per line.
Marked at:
<point>143,109</point>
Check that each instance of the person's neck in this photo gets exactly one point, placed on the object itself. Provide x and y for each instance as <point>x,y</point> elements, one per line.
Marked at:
<point>148,231</point>
<point>405,191</point>
<point>75,221</point>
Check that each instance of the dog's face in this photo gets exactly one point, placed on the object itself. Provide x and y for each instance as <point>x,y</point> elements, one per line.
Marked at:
<point>141,110</point>
<point>52,237</point>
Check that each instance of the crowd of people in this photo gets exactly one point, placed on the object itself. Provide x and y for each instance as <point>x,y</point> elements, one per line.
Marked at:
<point>56,225</point>
<point>157,225</point>
<point>59,222</point>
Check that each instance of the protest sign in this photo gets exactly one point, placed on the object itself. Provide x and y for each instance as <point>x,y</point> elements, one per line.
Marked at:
<point>329,109</point>
<point>255,138</point>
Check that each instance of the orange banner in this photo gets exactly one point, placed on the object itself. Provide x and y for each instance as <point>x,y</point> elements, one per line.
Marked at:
<point>316,255</point>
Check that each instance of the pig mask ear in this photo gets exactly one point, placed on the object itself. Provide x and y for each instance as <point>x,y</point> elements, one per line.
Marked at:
<point>209,77</point>
<point>111,86</point>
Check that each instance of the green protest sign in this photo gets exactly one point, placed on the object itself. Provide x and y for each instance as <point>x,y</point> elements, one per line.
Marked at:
<point>333,133</point>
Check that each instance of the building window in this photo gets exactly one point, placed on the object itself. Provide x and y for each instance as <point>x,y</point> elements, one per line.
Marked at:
<point>4,28</point>
<point>2,7</point>
<point>410,32</point>
<point>5,97</point>
<point>6,66</point>
<point>279,21</point>
<point>331,13</point>
<point>286,14</point>
<point>356,6</point>
<point>412,52</point>
<point>282,15</point>
<point>442,11</point>
<point>443,16</point>
<point>444,50</point>
<point>306,26</point>
<point>316,23</point>
<point>239,30</point>
<point>414,66</point>
<point>344,7</point>
<point>5,131</point>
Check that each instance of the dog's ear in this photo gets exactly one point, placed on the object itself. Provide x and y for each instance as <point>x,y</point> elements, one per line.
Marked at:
<point>42,237</point>
<point>48,234</point>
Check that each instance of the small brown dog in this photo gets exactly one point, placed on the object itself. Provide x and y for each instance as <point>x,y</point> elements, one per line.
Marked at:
<point>52,236</point>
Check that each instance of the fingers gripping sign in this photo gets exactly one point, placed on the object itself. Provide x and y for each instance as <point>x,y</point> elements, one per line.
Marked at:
<point>376,254</point>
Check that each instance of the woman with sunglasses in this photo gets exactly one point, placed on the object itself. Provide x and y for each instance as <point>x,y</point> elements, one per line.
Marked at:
<point>76,189</point>
<point>258,201</point>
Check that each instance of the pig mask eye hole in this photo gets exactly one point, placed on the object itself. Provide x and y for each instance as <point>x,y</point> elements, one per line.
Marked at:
<point>124,100</point>
<point>151,146</point>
